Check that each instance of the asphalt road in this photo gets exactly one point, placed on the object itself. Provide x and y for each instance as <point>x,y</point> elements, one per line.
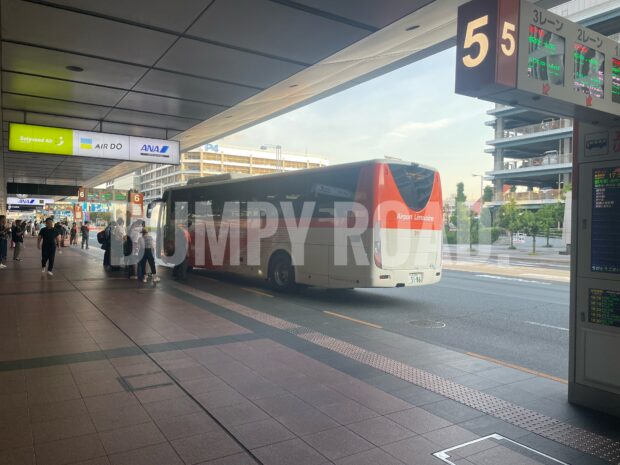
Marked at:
<point>519,321</point>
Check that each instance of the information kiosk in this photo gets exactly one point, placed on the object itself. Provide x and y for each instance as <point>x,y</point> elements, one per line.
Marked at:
<point>515,53</point>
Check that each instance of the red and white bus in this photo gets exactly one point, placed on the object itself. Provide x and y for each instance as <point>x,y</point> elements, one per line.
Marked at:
<point>402,241</point>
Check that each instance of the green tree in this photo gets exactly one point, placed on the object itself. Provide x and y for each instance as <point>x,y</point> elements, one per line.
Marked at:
<point>531,224</point>
<point>548,219</point>
<point>460,193</point>
<point>510,219</point>
<point>487,196</point>
<point>463,224</point>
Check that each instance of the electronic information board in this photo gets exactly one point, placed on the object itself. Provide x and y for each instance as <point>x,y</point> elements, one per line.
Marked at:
<point>515,53</point>
<point>604,308</point>
<point>605,236</point>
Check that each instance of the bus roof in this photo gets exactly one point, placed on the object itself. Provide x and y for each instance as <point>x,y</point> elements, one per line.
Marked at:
<point>322,169</point>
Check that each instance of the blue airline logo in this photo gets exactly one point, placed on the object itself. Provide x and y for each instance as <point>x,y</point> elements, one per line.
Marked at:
<point>146,148</point>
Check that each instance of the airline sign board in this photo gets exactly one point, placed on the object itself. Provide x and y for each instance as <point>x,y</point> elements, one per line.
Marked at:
<point>72,142</point>
<point>31,201</point>
<point>516,53</point>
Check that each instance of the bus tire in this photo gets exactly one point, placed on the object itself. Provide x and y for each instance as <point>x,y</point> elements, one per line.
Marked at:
<point>281,272</point>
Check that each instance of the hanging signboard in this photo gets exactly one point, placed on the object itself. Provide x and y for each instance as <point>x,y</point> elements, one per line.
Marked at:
<point>72,142</point>
<point>516,53</point>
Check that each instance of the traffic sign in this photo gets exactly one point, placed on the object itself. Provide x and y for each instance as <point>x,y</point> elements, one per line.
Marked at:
<point>516,53</point>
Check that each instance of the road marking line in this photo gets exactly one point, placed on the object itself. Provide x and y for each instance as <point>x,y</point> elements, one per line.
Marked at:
<point>355,320</point>
<point>517,367</point>
<point>256,291</point>
<point>505,278</point>
<point>545,276</point>
<point>546,326</point>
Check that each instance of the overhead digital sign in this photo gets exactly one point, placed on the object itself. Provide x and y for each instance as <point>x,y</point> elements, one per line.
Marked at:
<point>71,142</point>
<point>589,71</point>
<point>515,53</point>
<point>546,56</point>
<point>615,80</point>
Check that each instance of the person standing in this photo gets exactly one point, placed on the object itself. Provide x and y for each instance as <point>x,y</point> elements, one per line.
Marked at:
<point>183,240</point>
<point>17,234</point>
<point>49,236</point>
<point>85,231</point>
<point>73,234</point>
<point>4,241</point>
<point>147,243</point>
<point>106,245</point>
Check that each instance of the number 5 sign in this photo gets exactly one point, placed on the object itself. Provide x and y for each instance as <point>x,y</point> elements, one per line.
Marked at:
<point>487,46</point>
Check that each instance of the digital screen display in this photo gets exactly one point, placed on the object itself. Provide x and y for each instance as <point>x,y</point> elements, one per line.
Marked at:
<point>604,307</point>
<point>605,249</point>
<point>589,71</point>
<point>546,56</point>
<point>615,80</point>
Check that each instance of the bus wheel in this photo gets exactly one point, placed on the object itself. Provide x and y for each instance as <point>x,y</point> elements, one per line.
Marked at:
<point>282,273</point>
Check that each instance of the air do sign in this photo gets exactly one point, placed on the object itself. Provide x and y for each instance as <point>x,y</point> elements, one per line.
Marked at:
<point>72,142</point>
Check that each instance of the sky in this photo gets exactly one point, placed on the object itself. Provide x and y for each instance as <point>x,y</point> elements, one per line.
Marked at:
<point>411,113</point>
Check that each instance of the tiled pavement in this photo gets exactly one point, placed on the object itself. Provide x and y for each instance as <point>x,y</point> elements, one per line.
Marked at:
<point>101,370</point>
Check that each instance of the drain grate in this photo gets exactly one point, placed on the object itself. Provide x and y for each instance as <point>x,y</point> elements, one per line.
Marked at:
<point>529,420</point>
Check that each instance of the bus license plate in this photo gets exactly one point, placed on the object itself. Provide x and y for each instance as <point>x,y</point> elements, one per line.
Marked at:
<point>416,278</point>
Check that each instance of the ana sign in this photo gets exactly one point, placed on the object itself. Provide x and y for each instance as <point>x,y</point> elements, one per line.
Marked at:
<point>28,201</point>
<point>71,142</point>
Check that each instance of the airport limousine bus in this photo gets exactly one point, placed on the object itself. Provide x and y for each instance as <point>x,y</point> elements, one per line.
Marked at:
<point>401,244</point>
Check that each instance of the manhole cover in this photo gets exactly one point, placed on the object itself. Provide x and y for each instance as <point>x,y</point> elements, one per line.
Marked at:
<point>428,323</point>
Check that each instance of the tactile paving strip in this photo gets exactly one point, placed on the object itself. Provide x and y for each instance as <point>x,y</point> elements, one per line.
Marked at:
<point>529,420</point>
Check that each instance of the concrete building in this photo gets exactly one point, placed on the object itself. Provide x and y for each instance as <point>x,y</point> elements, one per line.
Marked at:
<point>214,159</point>
<point>532,151</point>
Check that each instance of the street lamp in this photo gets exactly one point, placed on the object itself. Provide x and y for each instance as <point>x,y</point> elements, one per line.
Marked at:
<point>481,176</point>
<point>279,163</point>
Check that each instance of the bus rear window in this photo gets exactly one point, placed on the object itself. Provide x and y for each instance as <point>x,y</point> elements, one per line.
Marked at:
<point>415,184</point>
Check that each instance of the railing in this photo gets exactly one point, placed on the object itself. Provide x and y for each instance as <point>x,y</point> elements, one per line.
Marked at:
<point>544,160</point>
<point>546,194</point>
<point>535,128</point>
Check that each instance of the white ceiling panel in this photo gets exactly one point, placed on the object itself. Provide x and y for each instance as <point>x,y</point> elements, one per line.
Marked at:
<point>212,61</point>
<point>168,106</point>
<point>370,12</point>
<point>43,62</point>
<point>275,29</point>
<point>147,119</point>
<point>65,90</point>
<point>54,107</point>
<point>187,87</point>
<point>40,25</point>
<point>174,15</point>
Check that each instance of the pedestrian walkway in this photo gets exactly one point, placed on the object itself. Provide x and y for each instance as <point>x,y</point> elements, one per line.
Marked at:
<point>98,369</point>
